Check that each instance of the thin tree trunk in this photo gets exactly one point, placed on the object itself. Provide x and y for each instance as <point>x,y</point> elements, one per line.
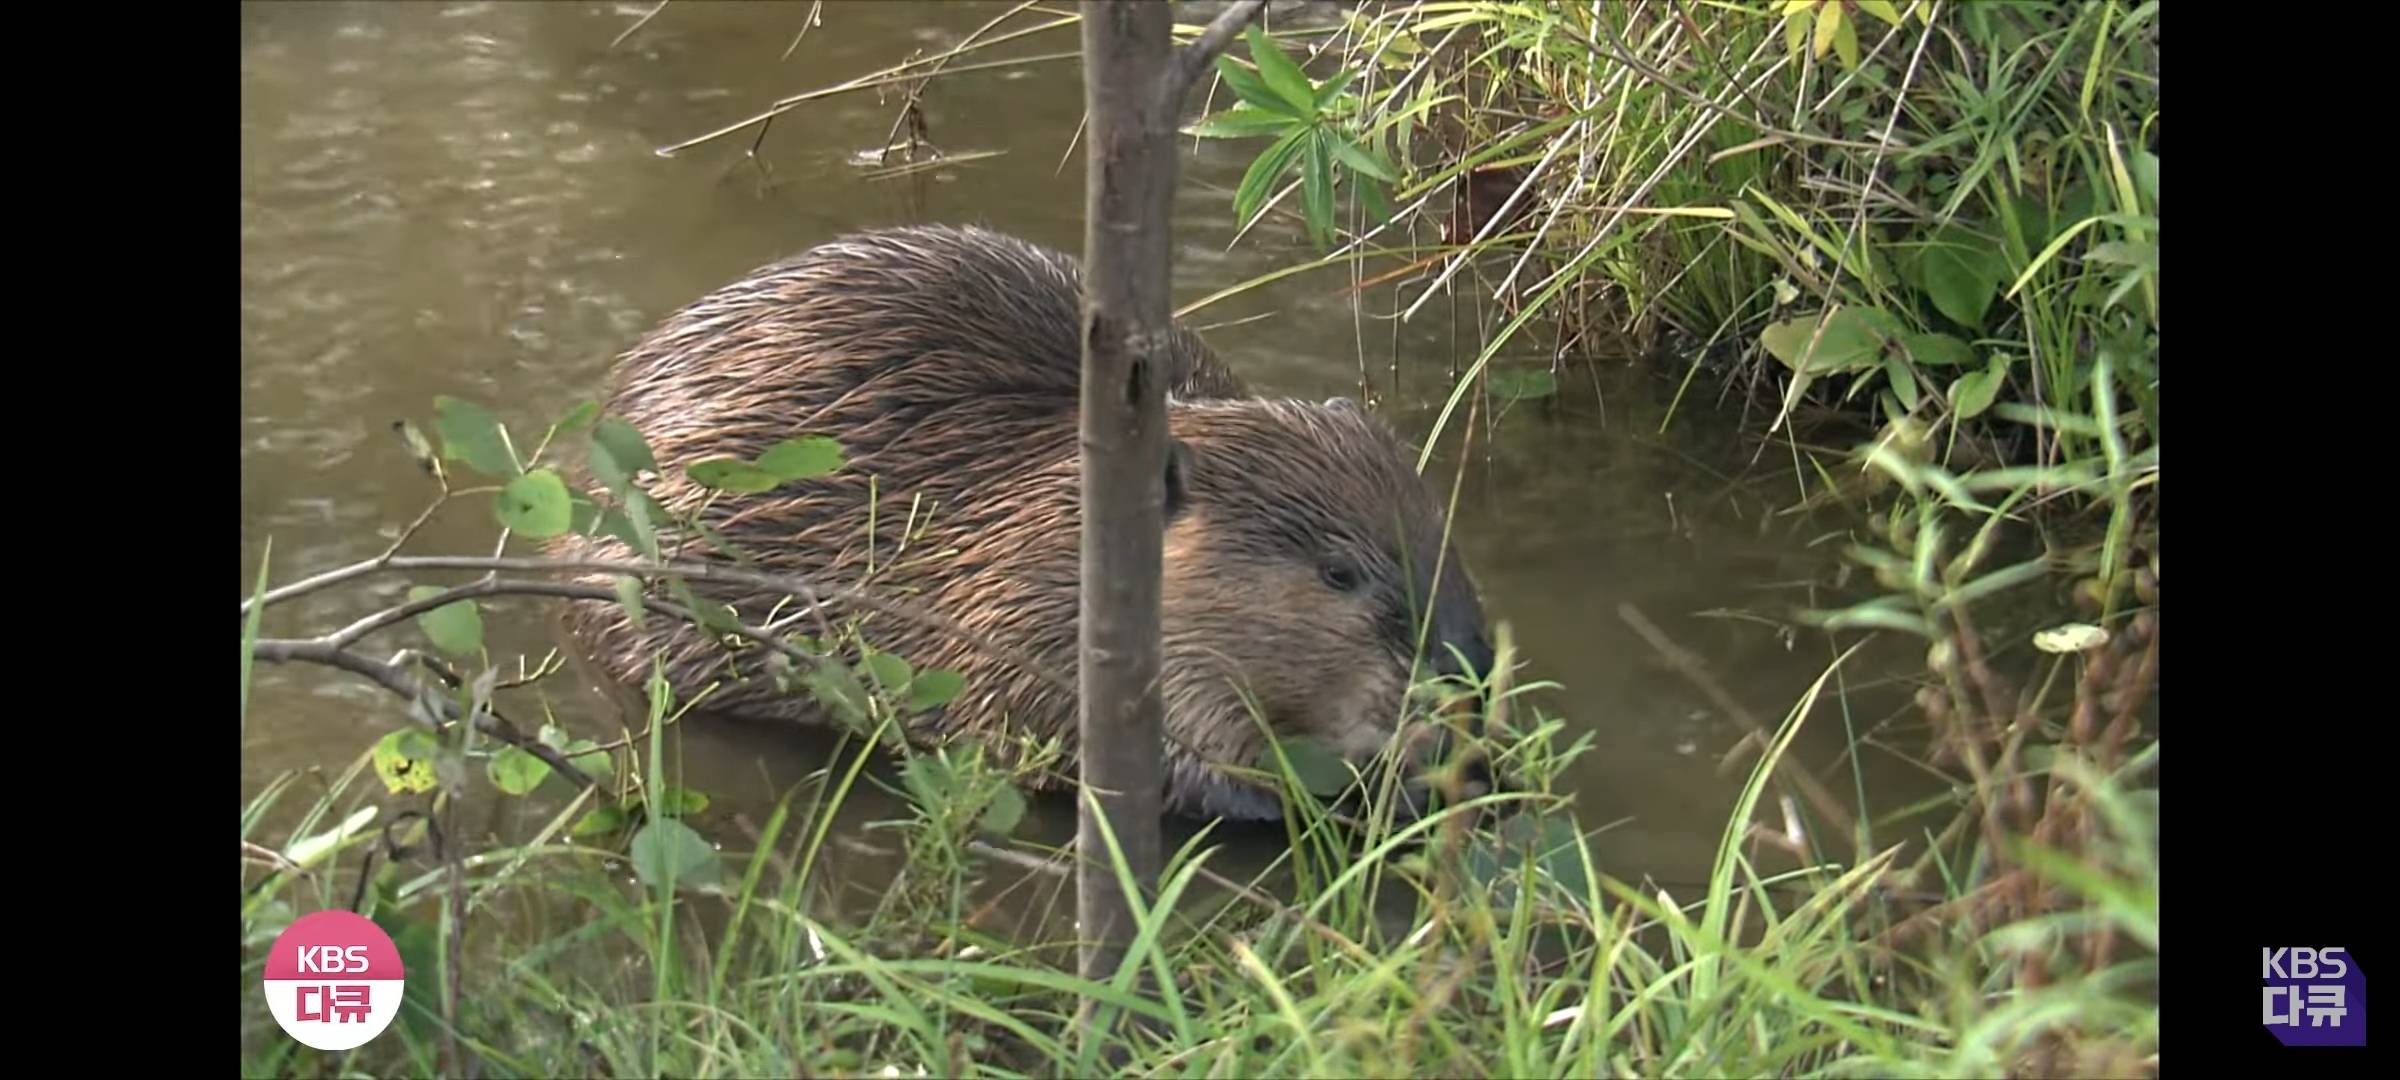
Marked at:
<point>1134,85</point>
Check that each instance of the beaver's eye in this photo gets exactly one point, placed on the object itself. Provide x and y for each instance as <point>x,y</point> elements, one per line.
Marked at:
<point>1339,576</point>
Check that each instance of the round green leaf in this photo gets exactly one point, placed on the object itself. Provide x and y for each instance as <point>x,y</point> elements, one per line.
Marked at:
<point>801,459</point>
<point>470,433</point>
<point>1974,392</point>
<point>455,628</point>
<point>731,474</point>
<point>536,505</point>
<point>625,447</point>
<point>516,772</point>
<point>670,850</point>
<point>404,760</point>
<point>1938,350</point>
<point>1849,343</point>
<point>1523,383</point>
<point>1000,819</point>
<point>934,688</point>
<point>1962,274</point>
<point>890,671</point>
<point>603,819</point>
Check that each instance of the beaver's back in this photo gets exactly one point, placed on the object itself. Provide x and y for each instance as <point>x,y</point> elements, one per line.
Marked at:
<point>947,363</point>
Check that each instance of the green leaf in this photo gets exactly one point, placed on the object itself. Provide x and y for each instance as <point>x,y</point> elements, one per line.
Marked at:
<point>929,780</point>
<point>1240,122</point>
<point>1379,206</point>
<point>934,688</point>
<point>1962,274</point>
<point>1007,809</point>
<point>629,593</point>
<point>1937,350</point>
<point>1250,88</point>
<point>1360,159</point>
<point>1829,23</point>
<point>1845,43</point>
<point>680,801</point>
<point>1904,381</point>
<point>587,756</point>
<point>582,414</point>
<point>455,628</point>
<point>1518,384</point>
<point>1975,390</point>
<point>632,522</point>
<point>1332,88</point>
<point>516,771</point>
<point>670,850</point>
<point>470,433</point>
<point>404,760</point>
<point>731,474</point>
<point>1795,32</point>
<point>1281,74</point>
<point>1260,179</point>
<point>535,505</point>
<point>603,819</point>
<point>802,459</point>
<point>837,688</point>
<point>1881,9</point>
<point>889,672</point>
<point>619,453</point>
<point>1317,187</point>
<point>1849,343</point>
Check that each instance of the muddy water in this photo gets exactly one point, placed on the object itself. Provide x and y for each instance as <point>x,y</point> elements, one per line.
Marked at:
<point>465,199</point>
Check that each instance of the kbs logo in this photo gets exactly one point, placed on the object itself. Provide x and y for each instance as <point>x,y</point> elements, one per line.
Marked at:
<point>334,980</point>
<point>2314,997</point>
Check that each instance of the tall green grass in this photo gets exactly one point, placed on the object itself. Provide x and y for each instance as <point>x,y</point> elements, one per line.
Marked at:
<point>1935,223</point>
<point>1469,943</point>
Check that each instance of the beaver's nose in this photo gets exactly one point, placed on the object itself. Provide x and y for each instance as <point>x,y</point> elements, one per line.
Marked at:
<point>1466,654</point>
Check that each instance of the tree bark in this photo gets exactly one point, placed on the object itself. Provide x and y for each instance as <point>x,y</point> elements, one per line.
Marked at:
<point>1133,90</point>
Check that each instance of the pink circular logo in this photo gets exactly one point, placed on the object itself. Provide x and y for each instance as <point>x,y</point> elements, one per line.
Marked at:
<point>334,980</point>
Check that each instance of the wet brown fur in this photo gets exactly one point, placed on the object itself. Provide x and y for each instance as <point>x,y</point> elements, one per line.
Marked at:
<point>946,361</point>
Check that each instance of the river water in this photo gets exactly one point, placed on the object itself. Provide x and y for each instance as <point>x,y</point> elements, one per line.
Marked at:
<point>467,199</point>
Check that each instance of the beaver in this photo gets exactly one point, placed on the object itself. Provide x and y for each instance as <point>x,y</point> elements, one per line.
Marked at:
<point>1304,559</point>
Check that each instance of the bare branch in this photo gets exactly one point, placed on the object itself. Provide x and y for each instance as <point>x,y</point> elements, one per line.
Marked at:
<point>392,678</point>
<point>1195,58</point>
<point>809,593</point>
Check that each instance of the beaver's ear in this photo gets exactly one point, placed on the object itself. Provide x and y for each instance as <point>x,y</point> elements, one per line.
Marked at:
<point>1179,466</point>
